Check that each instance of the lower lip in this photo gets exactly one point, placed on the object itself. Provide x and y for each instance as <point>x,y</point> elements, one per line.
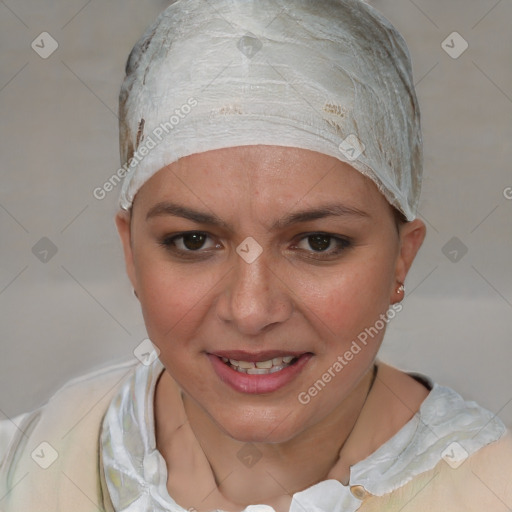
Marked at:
<point>257,384</point>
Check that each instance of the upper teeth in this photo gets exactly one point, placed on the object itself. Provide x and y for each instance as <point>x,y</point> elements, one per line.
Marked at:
<point>277,363</point>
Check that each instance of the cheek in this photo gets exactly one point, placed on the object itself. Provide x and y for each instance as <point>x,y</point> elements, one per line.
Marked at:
<point>351,299</point>
<point>172,299</point>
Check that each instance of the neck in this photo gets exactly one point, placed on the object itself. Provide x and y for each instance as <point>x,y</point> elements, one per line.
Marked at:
<point>282,468</point>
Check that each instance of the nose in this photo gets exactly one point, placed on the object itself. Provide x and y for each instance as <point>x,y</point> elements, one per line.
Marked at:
<point>254,297</point>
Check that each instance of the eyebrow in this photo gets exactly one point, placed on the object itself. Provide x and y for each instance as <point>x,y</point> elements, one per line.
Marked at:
<point>329,210</point>
<point>176,210</point>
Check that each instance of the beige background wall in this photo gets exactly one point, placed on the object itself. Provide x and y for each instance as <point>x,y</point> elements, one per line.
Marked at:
<point>58,142</point>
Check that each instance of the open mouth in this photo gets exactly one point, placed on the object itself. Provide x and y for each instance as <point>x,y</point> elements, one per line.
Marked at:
<point>258,373</point>
<point>269,366</point>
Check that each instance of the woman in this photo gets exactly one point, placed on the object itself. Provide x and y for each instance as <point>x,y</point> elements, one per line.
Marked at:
<point>272,153</point>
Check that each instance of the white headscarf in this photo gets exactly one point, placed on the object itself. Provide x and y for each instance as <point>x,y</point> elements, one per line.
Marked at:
<point>332,76</point>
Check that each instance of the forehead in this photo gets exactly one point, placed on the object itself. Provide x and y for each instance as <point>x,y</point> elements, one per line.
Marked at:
<point>264,176</point>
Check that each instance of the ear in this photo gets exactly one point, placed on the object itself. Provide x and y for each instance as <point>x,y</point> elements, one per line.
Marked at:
<point>411,236</point>
<point>123,228</point>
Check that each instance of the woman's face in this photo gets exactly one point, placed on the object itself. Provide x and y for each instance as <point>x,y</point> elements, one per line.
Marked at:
<point>281,259</point>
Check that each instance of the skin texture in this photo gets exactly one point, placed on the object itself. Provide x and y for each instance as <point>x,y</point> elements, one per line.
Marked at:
<point>291,298</point>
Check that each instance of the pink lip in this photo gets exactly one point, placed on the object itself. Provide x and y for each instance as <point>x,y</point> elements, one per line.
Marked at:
<point>257,384</point>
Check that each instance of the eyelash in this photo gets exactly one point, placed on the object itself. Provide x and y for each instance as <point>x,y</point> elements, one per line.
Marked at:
<point>343,243</point>
<point>169,243</point>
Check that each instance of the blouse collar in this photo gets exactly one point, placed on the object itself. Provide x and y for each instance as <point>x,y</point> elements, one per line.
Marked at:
<point>135,473</point>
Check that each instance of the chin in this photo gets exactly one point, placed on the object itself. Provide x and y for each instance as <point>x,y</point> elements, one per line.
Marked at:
<point>260,426</point>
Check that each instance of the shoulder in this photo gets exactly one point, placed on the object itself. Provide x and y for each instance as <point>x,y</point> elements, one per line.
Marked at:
<point>452,455</point>
<point>97,380</point>
<point>76,395</point>
<point>8,429</point>
<point>88,386</point>
<point>59,433</point>
<point>458,483</point>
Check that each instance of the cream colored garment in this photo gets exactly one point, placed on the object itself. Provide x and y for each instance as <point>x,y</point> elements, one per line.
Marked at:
<point>332,76</point>
<point>136,474</point>
<point>70,423</point>
<point>72,420</point>
<point>483,483</point>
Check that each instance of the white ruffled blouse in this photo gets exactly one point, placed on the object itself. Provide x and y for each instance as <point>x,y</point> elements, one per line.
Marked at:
<point>136,474</point>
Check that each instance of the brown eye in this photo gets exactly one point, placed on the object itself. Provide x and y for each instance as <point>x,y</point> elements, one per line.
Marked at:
<point>323,245</point>
<point>189,242</point>
<point>319,242</point>
<point>194,241</point>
